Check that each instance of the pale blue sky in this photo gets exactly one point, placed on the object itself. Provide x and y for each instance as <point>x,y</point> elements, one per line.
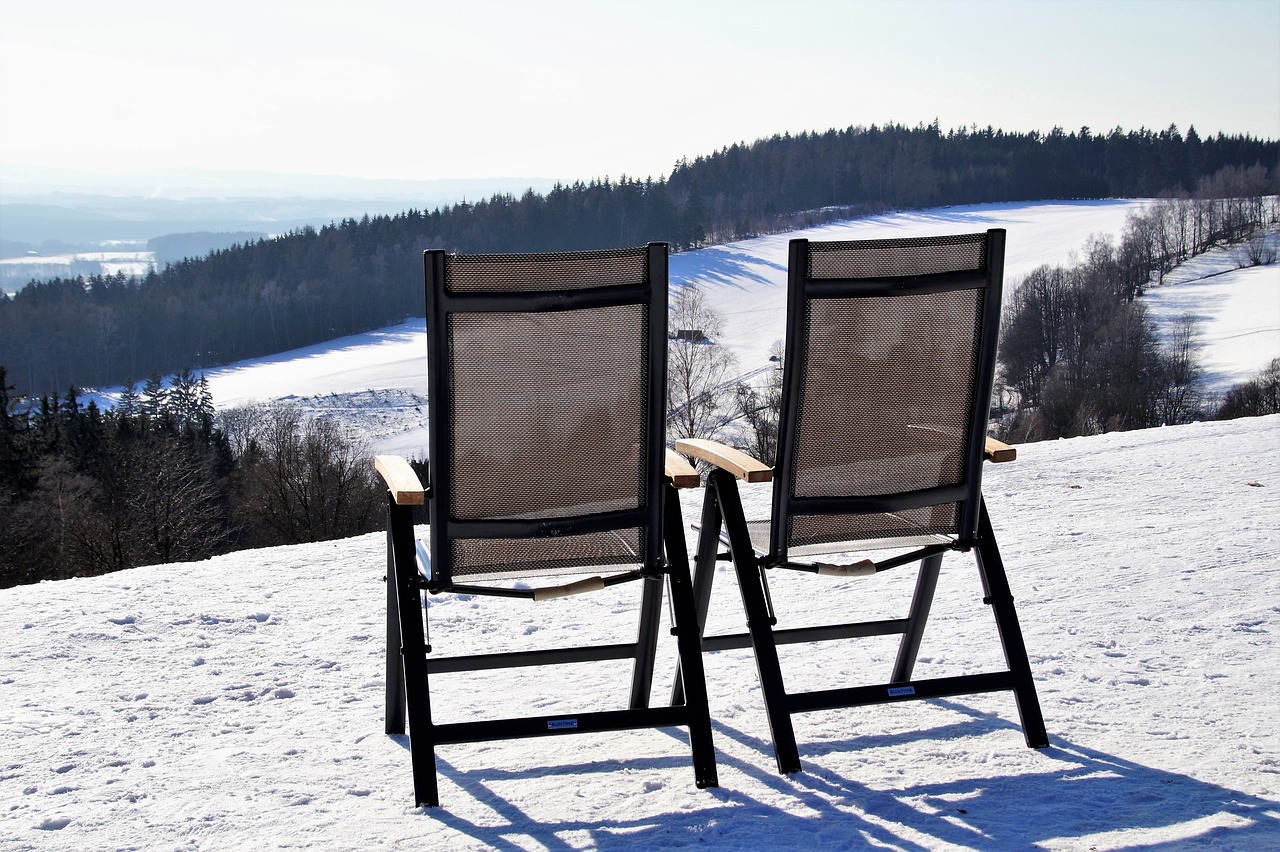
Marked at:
<point>485,88</point>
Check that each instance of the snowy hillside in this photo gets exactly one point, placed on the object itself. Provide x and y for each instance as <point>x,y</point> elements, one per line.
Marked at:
<point>237,703</point>
<point>377,381</point>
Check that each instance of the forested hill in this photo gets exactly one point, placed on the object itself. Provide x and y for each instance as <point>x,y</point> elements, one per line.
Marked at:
<point>272,295</point>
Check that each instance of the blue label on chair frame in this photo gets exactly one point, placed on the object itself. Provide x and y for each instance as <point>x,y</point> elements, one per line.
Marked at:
<point>899,691</point>
<point>562,724</point>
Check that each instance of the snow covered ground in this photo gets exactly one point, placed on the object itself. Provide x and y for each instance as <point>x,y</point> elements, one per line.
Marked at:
<point>1236,311</point>
<point>237,703</point>
<point>376,382</point>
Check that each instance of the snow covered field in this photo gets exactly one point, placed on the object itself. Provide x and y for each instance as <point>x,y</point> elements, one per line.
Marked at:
<point>377,382</point>
<point>237,703</point>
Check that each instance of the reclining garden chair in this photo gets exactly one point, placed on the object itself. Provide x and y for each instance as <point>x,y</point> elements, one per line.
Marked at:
<point>889,363</point>
<point>546,381</point>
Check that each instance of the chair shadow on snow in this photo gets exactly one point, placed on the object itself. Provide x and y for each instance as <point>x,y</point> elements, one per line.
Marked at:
<point>1075,792</point>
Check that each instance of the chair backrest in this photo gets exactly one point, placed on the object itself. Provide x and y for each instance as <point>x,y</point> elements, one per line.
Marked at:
<point>890,359</point>
<point>546,391</point>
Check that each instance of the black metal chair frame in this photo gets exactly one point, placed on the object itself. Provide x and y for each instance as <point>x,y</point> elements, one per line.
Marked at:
<point>664,555</point>
<point>722,510</point>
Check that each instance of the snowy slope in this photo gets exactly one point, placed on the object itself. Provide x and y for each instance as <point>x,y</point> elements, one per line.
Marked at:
<point>237,703</point>
<point>748,280</point>
<point>377,382</point>
<point>1236,311</point>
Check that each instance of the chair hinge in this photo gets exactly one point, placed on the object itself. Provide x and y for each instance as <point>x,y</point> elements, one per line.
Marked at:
<point>656,571</point>
<point>405,650</point>
<point>990,599</point>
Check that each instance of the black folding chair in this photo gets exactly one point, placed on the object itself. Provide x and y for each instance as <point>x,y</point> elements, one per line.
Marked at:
<point>546,385</point>
<point>889,364</point>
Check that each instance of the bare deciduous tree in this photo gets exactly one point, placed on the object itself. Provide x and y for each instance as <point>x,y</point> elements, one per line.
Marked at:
<point>1180,398</point>
<point>305,479</point>
<point>759,406</point>
<point>699,370</point>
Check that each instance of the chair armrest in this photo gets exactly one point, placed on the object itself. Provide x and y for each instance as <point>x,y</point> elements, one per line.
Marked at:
<point>726,458</point>
<point>680,472</point>
<point>992,451</point>
<point>998,451</point>
<point>401,481</point>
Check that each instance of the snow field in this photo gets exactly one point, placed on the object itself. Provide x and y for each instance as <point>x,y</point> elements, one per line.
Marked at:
<point>237,703</point>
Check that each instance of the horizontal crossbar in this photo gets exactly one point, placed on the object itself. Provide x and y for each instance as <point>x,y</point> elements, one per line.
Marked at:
<point>795,635</point>
<point>566,723</point>
<point>858,696</point>
<point>517,659</point>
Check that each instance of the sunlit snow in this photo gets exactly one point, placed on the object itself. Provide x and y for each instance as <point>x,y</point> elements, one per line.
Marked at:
<point>236,703</point>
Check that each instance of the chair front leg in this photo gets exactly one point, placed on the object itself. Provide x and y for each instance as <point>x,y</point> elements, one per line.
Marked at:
<point>646,642</point>
<point>704,572</point>
<point>394,666</point>
<point>412,651</point>
<point>759,623</point>
<point>996,584</point>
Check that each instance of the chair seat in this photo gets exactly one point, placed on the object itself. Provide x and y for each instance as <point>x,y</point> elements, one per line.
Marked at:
<point>760,530</point>
<point>477,560</point>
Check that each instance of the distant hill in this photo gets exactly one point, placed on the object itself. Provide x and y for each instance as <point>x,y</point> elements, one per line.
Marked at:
<point>54,210</point>
<point>360,274</point>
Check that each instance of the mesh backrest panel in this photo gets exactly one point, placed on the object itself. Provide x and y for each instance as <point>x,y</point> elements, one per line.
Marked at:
<point>886,397</point>
<point>549,413</point>
<point>505,273</point>
<point>892,258</point>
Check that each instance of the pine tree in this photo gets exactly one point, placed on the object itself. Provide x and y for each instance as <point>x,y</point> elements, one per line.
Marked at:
<point>130,403</point>
<point>17,454</point>
<point>154,397</point>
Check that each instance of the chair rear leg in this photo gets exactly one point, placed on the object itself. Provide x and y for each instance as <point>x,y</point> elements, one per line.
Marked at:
<point>412,650</point>
<point>921,602</point>
<point>999,595</point>
<point>759,624</point>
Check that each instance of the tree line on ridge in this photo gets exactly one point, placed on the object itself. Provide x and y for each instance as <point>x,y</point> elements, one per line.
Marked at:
<point>270,295</point>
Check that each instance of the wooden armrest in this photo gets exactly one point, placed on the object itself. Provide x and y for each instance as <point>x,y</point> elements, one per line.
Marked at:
<point>992,451</point>
<point>726,458</point>
<point>680,472</point>
<point>401,481</point>
<point>998,451</point>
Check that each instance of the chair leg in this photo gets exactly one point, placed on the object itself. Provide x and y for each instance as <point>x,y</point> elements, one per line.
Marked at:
<point>759,623</point>
<point>693,677</point>
<point>704,572</point>
<point>921,602</point>
<point>646,642</point>
<point>394,668</point>
<point>999,595</point>
<point>677,553</point>
<point>412,650</point>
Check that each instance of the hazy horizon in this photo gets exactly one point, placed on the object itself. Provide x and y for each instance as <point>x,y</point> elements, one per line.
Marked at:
<point>419,91</point>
